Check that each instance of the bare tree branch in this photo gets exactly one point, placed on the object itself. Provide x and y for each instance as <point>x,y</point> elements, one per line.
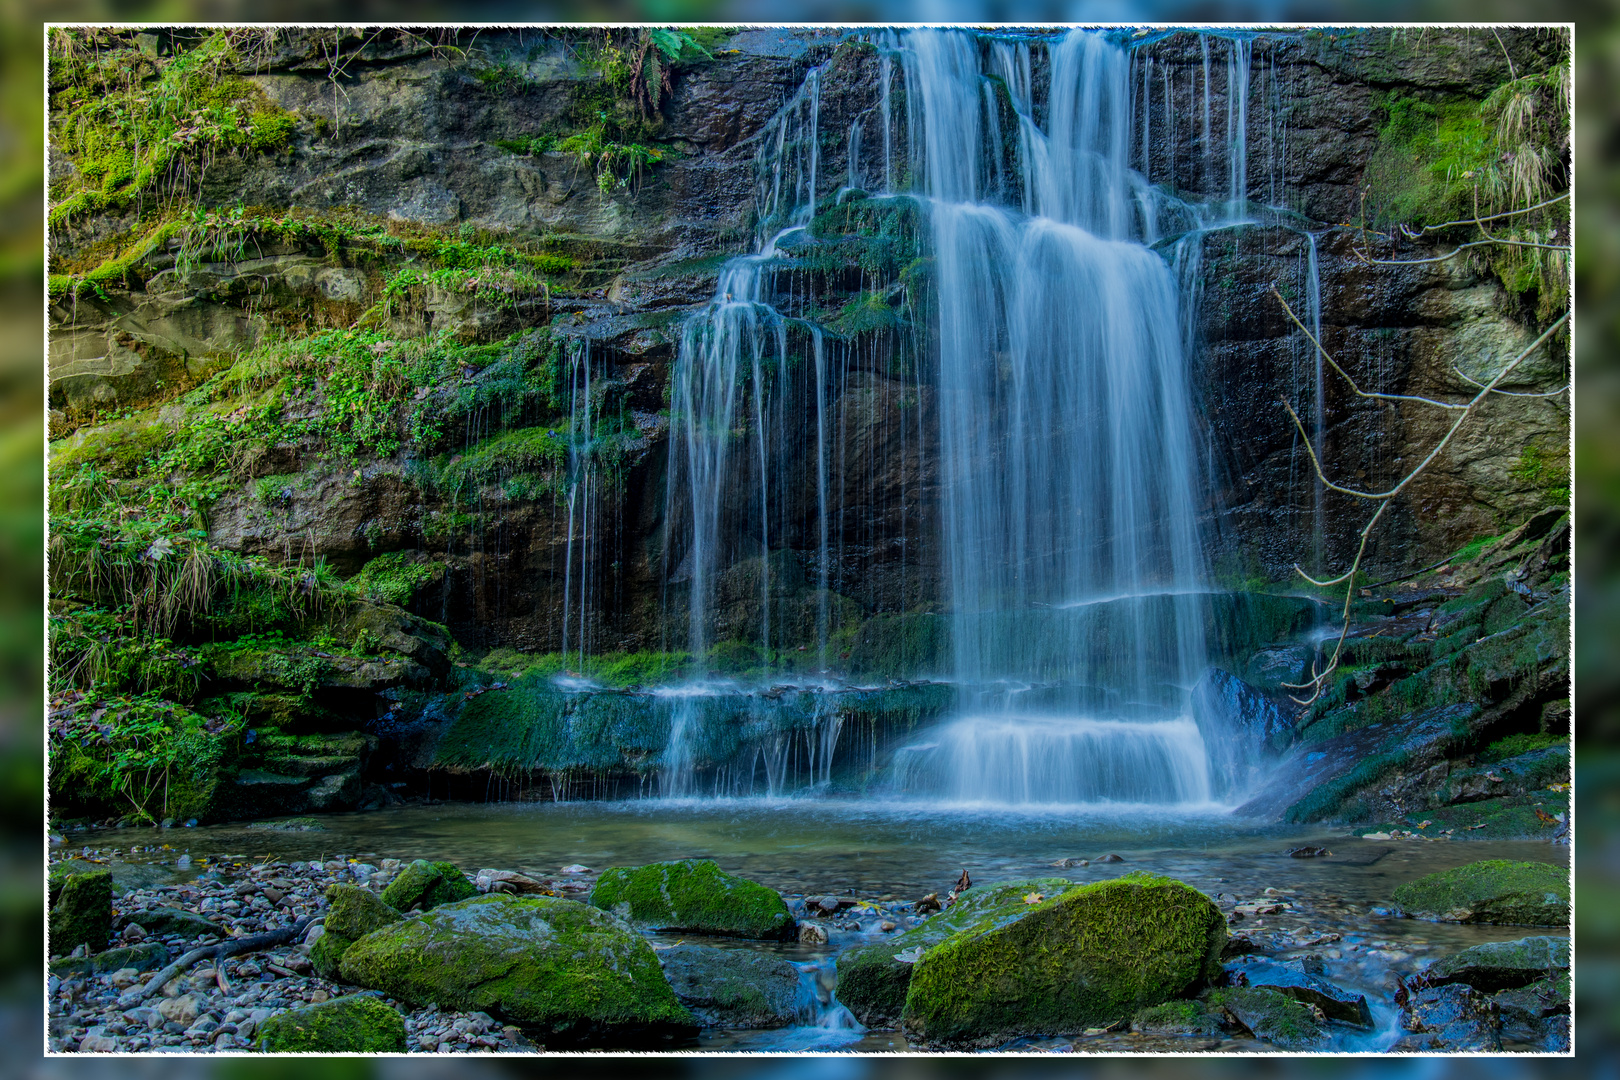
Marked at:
<point>1320,674</point>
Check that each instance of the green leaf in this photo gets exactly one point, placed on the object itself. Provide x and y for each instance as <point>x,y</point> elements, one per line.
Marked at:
<point>669,42</point>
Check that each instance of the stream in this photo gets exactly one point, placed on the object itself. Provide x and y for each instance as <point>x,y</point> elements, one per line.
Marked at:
<point>902,851</point>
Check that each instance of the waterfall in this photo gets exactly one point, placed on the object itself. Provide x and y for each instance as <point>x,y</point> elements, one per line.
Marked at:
<point>729,354</point>
<point>1069,464</point>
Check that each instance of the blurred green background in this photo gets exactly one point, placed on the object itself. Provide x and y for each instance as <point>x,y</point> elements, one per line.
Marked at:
<point>1597,493</point>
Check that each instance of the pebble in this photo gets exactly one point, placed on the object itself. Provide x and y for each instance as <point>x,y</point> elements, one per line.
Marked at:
<point>192,1014</point>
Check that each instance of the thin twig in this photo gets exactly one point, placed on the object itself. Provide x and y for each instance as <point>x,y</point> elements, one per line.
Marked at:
<point>1335,365</point>
<point>1414,234</point>
<point>1444,441</point>
<point>1320,675</point>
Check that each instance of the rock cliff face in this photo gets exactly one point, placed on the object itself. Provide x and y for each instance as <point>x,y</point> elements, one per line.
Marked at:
<point>418,319</point>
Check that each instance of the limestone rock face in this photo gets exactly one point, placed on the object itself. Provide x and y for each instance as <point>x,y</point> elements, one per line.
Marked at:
<point>1088,956</point>
<point>696,896</point>
<point>558,966</point>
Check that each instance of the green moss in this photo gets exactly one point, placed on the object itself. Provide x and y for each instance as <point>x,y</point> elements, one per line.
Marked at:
<point>1430,158</point>
<point>554,965</point>
<point>1495,891</point>
<point>1271,1016</point>
<point>424,885</point>
<point>1522,743</point>
<point>1546,473</point>
<point>1089,956</point>
<point>82,912</point>
<point>356,1024</point>
<point>901,646</point>
<point>352,913</point>
<point>872,983</point>
<point>1176,1018</point>
<point>394,578</point>
<point>696,896</point>
<point>1502,965</point>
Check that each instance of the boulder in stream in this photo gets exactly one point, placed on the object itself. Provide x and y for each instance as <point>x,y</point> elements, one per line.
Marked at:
<point>733,988</point>
<point>1335,1002</point>
<point>1494,891</point>
<point>425,885</point>
<point>561,967</point>
<point>1502,965</point>
<point>351,914</point>
<point>697,897</point>
<point>1448,1018</point>
<point>1269,1015</point>
<point>872,982</point>
<point>1091,955</point>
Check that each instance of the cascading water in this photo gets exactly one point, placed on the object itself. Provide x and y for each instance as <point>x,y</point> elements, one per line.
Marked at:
<point>1062,286</point>
<point>1069,466</point>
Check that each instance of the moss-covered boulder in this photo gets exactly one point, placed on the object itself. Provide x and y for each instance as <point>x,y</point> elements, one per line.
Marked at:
<point>82,912</point>
<point>424,885</point>
<point>733,988</point>
<point>356,1024</point>
<point>351,914</point>
<point>694,896</point>
<point>1495,891</point>
<point>1091,955</point>
<point>1502,965</point>
<point>872,983</point>
<point>178,922</point>
<point>556,965</point>
<point>1274,1017</point>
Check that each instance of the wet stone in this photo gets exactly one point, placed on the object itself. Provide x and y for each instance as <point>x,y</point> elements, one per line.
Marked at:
<point>1335,1002</point>
<point>1449,1018</point>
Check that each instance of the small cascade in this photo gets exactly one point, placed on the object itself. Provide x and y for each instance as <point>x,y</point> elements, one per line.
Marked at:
<point>822,1022</point>
<point>1013,759</point>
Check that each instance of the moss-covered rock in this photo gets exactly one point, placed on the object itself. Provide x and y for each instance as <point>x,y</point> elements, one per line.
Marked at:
<point>175,921</point>
<point>694,896</point>
<point>733,988</point>
<point>1176,1018</point>
<point>1094,954</point>
<point>1271,1016</point>
<point>1502,965</point>
<point>424,885</point>
<point>356,1024</point>
<point>1334,1002</point>
<point>872,984</point>
<point>82,913</point>
<point>556,965</point>
<point>1493,891</point>
<point>351,914</point>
